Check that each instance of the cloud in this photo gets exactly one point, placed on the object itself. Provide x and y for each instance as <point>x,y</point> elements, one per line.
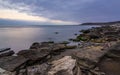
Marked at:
<point>74,11</point>
<point>15,15</point>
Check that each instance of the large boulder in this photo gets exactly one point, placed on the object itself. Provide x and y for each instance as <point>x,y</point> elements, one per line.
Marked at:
<point>63,66</point>
<point>37,69</point>
<point>89,56</point>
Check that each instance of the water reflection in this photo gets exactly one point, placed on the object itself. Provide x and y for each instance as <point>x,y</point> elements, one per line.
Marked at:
<point>19,37</point>
<point>22,38</point>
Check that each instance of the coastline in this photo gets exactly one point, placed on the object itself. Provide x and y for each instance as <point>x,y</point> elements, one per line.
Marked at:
<point>96,46</point>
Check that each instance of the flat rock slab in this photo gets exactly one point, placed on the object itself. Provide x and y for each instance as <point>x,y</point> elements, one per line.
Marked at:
<point>33,54</point>
<point>11,63</point>
<point>91,54</point>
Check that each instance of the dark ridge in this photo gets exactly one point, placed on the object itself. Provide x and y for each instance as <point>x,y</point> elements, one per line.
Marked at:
<point>101,23</point>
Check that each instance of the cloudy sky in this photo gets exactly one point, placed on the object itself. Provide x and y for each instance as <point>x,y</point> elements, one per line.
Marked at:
<point>58,11</point>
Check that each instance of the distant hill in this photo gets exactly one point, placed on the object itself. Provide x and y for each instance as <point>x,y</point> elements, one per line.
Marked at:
<point>101,23</point>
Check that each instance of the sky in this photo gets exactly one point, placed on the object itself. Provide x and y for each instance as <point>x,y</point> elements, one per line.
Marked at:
<point>58,12</point>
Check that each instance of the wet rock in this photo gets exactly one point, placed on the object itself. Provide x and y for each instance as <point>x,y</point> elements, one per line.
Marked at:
<point>35,45</point>
<point>12,63</point>
<point>71,47</point>
<point>62,66</point>
<point>56,32</point>
<point>65,42</point>
<point>46,44</point>
<point>99,33</point>
<point>93,36</point>
<point>6,53</point>
<point>4,49</point>
<point>85,31</point>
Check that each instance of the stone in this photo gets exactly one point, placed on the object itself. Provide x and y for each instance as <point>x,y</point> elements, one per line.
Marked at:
<point>115,47</point>
<point>7,73</point>
<point>6,53</point>
<point>12,63</point>
<point>4,49</point>
<point>64,65</point>
<point>89,56</point>
<point>59,47</point>
<point>37,69</point>
<point>71,47</point>
<point>35,45</point>
<point>33,54</point>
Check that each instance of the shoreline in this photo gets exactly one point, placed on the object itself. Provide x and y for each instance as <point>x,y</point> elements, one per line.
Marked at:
<point>97,45</point>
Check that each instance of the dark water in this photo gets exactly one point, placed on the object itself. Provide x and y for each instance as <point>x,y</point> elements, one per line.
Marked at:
<point>21,37</point>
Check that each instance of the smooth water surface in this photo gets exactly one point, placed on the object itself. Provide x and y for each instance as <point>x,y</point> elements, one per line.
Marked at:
<point>19,38</point>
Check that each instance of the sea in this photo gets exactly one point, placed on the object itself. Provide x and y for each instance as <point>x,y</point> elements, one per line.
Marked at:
<point>21,37</point>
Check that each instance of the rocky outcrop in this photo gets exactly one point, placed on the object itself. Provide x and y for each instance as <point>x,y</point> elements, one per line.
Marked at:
<point>90,54</point>
<point>98,47</point>
<point>39,53</point>
<point>99,34</point>
<point>63,66</point>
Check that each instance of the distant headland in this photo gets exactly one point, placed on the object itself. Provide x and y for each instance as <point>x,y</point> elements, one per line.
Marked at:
<point>100,23</point>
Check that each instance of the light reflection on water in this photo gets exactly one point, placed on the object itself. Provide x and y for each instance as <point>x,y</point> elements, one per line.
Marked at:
<point>21,38</point>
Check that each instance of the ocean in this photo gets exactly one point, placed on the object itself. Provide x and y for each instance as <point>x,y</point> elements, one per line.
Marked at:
<point>21,37</point>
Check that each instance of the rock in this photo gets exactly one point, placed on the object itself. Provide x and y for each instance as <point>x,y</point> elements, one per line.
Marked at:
<point>33,54</point>
<point>7,73</point>
<point>56,32</point>
<point>58,47</point>
<point>93,35</point>
<point>6,53</point>
<point>114,51</point>
<point>89,56</point>
<point>4,49</point>
<point>71,47</point>
<point>65,42</point>
<point>46,44</point>
<point>62,66</point>
<point>115,47</point>
<point>111,33</point>
<point>37,69</point>
<point>35,45</point>
<point>85,31</point>
<point>99,33</point>
<point>12,63</point>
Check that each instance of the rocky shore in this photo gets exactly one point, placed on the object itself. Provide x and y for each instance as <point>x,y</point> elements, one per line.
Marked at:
<point>97,53</point>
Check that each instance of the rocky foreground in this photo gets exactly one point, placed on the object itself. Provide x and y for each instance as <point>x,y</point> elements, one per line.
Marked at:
<point>98,53</point>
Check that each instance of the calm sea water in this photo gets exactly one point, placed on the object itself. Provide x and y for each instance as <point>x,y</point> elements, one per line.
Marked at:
<point>21,37</point>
